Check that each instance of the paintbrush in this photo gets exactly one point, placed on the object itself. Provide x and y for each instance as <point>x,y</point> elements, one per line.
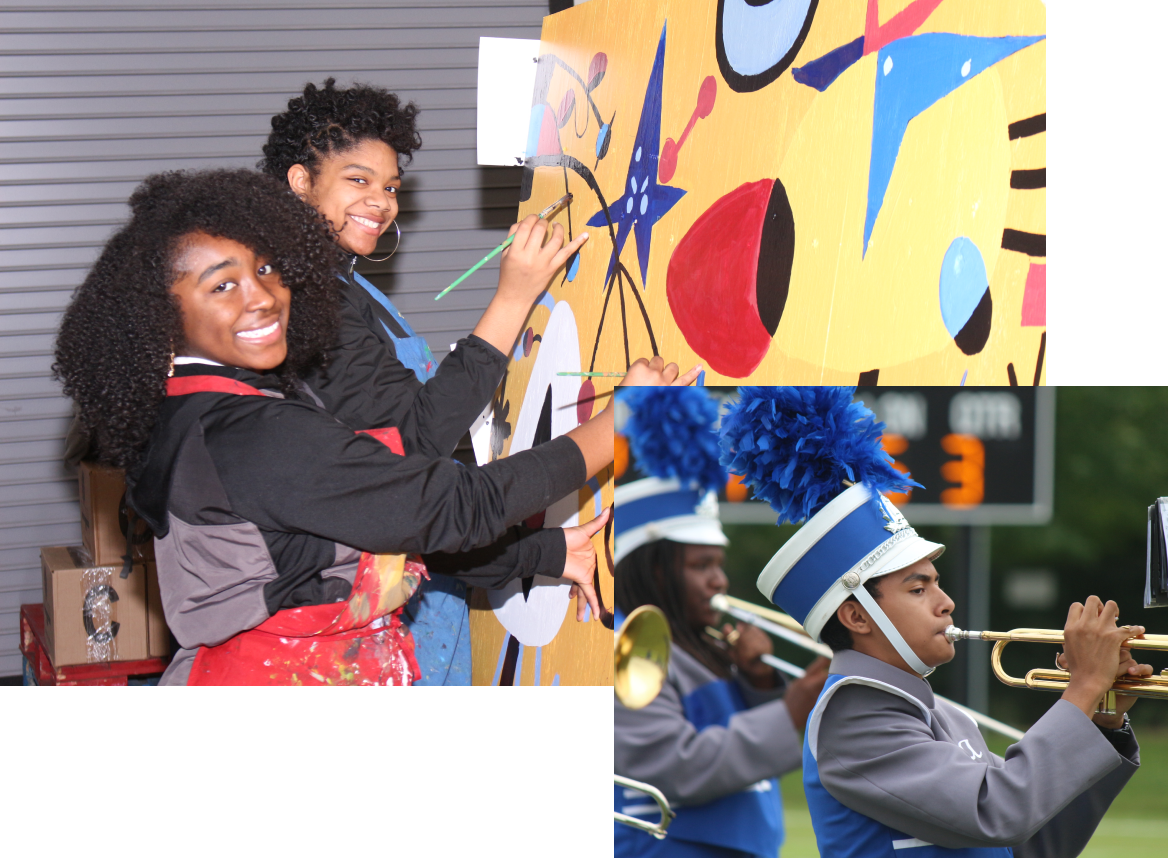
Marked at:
<point>550,211</point>
<point>594,374</point>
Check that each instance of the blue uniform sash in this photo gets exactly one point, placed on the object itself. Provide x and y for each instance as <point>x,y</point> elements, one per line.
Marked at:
<point>750,821</point>
<point>844,833</point>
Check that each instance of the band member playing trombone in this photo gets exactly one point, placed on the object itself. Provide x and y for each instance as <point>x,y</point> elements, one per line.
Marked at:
<point>725,726</point>
<point>889,770</point>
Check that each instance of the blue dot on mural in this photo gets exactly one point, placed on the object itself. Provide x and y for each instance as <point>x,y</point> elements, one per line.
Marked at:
<point>574,266</point>
<point>602,140</point>
<point>963,283</point>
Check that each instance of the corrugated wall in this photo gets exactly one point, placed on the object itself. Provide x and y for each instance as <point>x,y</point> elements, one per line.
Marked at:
<point>97,95</point>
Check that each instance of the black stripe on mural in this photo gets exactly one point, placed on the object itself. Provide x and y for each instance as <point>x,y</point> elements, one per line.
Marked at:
<point>1037,369</point>
<point>1032,244</point>
<point>1028,180</point>
<point>870,378</point>
<point>1028,127</point>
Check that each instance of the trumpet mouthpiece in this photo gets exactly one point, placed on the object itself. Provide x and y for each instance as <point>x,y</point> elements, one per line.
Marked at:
<point>720,603</point>
<point>955,634</point>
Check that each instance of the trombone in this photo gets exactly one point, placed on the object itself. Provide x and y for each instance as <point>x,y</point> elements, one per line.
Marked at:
<point>1057,680</point>
<point>788,628</point>
<point>640,663</point>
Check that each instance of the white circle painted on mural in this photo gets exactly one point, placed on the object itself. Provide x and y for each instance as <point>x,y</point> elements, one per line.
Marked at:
<point>534,621</point>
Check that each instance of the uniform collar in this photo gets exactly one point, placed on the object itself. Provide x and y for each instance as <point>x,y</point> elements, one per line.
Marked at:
<point>851,663</point>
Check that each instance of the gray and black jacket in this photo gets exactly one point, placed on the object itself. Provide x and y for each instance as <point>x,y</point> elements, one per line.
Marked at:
<point>264,503</point>
<point>365,386</point>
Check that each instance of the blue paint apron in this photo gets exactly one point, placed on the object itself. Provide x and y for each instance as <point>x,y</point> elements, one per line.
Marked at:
<point>440,621</point>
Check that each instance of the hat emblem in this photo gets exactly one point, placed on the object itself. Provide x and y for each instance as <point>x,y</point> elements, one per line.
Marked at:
<point>896,521</point>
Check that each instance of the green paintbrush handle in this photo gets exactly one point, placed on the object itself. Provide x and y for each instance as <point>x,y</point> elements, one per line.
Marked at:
<point>478,265</point>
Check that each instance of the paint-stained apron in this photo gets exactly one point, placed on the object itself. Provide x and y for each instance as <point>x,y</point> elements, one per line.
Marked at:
<point>357,642</point>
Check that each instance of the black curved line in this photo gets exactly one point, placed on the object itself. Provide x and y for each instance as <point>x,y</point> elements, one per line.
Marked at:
<point>580,80</point>
<point>580,169</point>
<point>600,326</point>
<point>754,82</point>
<point>644,314</point>
<point>620,280</point>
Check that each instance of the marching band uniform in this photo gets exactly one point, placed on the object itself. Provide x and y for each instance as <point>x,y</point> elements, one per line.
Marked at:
<point>888,769</point>
<point>715,747</point>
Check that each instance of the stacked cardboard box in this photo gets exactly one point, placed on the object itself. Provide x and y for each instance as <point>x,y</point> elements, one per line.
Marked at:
<point>99,604</point>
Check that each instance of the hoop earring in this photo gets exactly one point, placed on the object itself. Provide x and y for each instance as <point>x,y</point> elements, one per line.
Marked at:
<point>395,247</point>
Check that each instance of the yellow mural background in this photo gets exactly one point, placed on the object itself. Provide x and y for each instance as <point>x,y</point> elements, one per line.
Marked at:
<point>844,314</point>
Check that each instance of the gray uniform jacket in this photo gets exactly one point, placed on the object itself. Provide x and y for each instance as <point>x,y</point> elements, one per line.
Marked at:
<point>657,745</point>
<point>921,766</point>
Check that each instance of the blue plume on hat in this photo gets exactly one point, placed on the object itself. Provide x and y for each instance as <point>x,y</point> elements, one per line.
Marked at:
<point>671,433</point>
<point>795,446</point>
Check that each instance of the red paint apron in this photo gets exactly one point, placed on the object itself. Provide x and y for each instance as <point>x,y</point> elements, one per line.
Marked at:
<point>358,642</point>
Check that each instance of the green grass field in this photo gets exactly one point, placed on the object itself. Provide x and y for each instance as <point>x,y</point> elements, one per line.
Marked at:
<point>1136,826</point>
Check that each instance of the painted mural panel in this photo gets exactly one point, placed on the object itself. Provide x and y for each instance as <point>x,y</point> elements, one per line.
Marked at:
<point>800,191</point>
<point>792,191</point>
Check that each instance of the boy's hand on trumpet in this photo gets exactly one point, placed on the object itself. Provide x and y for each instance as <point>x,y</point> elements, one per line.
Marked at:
<point>1128,668</point>
<point>1095,656</point>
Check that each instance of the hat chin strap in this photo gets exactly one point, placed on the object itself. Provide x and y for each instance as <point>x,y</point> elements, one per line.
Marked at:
<point>890,631</point>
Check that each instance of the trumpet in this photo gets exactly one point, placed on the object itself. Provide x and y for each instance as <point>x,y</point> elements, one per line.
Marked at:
<point>788,628</point>
<point>1057,680</point>
<point>640,663</point>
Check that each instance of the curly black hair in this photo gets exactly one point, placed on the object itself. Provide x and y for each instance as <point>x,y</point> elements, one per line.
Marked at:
<point>120,331</point>
<point>329,120</point>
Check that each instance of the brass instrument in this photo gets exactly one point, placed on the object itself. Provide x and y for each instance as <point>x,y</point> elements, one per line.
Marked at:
<point>641,661</point>
<point>1057,680</point>
<point>641,657</point>
<point>788,628</point>
<point>667,814</point>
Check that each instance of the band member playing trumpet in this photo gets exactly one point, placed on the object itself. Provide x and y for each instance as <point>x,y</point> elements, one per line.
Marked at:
<point>889,770</point>
<point>725,726</point>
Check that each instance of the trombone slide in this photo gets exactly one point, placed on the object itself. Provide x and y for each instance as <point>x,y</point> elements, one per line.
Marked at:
<point>667,815</point>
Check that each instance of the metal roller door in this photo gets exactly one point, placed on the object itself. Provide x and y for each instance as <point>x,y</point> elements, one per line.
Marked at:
<point>99,94</point>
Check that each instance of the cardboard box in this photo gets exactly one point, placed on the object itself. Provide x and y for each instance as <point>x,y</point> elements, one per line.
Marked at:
<point>105,517</point>
<point>92,614</point>
<point>157,634</point>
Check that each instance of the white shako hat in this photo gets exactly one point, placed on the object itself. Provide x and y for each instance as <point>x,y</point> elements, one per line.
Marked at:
<point>671,433</point>
<point>815,439</point>
<point>653,508</point>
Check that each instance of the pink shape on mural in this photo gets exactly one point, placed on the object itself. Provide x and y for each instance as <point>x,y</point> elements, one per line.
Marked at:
<point>1034,299</point>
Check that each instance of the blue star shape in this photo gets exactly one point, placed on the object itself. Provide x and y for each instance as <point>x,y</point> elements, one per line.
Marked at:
<point>644,201</point>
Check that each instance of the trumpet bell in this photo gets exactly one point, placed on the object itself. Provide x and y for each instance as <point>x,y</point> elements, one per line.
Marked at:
<point>641,657</point>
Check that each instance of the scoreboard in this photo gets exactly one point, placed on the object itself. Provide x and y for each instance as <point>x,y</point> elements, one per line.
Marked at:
<point>984,455</point>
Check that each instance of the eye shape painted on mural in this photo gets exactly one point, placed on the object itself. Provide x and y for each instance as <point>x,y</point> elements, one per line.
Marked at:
<point>757,40</point>
<point>966,306</point>
<point>728,279</point>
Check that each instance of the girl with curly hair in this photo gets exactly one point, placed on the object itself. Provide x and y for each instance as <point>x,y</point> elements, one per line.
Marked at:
<point>342,150</point>
<point>281,534</point>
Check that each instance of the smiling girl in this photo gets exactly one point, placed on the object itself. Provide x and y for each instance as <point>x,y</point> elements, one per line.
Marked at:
<point>281,534</point>
<point>342,150</point>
